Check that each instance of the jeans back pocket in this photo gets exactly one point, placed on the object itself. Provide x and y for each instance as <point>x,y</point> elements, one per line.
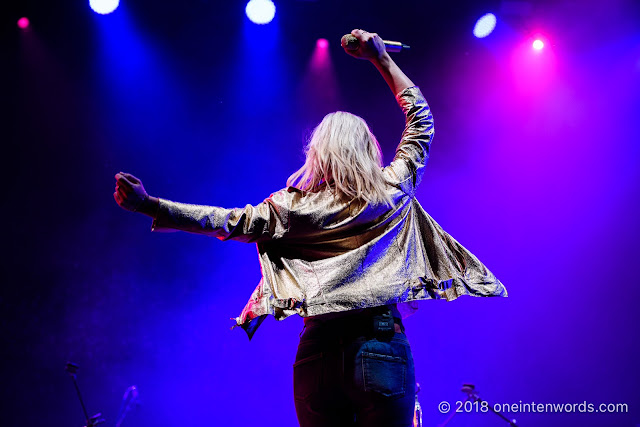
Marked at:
<point>384,374</point>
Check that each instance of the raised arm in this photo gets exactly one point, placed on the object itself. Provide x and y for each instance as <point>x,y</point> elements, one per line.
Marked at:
<point>412,153</point>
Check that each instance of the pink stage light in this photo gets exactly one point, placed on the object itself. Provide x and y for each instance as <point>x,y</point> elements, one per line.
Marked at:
<point>320,80</point>
<point>538,44</point>
<point>23,22</point>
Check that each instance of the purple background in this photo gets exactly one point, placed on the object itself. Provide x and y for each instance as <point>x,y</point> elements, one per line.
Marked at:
<point>534,169</point>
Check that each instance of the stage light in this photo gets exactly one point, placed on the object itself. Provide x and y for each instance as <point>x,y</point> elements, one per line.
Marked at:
<point>538,44</point>
<point>23,22</point>
<point>104,7</point>
<point>322,43</point>
<point>485,25</point>
<point>260,11</point>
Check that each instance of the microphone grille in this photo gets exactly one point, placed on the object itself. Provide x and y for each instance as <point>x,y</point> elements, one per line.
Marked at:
<point>350,42</point>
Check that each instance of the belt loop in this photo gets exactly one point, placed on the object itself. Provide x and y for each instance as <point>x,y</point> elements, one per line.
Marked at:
<point>398,321</point>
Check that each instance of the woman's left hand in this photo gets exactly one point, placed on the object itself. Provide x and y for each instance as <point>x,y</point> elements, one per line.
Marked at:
<point>130,193</point>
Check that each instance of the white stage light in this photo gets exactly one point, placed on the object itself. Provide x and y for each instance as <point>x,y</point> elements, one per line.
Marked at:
<point>485,25</point>
<point>104,7</point>
<point>260,11</point>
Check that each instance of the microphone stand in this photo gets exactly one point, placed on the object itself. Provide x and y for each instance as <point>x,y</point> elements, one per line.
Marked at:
<point>417,409</point>
<point>129,399</point>
<point>472,395</point>
<point>93,421</point>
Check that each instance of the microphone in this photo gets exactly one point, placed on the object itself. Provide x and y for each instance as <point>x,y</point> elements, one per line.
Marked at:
<point>350,42</point>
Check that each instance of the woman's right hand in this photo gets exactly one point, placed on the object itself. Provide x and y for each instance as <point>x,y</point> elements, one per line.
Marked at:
<point>371,46</point>
<point>130,193</point>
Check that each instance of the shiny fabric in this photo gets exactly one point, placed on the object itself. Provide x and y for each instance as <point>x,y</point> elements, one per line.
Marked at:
<point>320,254</point>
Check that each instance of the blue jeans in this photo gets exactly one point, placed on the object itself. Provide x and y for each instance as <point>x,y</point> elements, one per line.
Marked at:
<point>345,376</point>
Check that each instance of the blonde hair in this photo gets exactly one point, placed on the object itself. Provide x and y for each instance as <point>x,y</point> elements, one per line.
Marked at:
<point>343,154</point>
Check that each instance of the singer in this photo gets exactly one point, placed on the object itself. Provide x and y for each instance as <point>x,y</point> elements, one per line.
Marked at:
<point>347,246</point>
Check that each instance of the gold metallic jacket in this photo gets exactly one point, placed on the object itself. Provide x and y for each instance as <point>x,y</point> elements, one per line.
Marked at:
<point>320,254</point>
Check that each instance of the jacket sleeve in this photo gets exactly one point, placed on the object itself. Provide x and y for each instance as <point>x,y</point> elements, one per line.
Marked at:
<point>265,221</point>
<point>412,153</point>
